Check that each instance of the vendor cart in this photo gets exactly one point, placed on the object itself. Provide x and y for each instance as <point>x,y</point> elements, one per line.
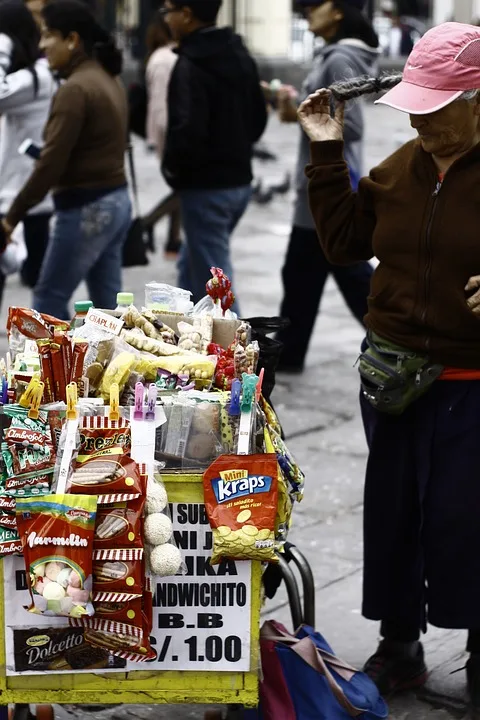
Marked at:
<point>205,632</point>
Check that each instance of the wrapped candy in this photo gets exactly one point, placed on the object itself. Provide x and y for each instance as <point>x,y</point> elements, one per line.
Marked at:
<point>219,289</point>
<point>57,538</point>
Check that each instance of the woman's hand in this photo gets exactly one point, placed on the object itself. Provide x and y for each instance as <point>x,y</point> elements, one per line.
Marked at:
<point>315,117</point>
<point>473,301</point>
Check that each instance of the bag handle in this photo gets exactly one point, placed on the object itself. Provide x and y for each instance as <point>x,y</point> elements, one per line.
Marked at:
<point>313,656</point>
<point>306,649</point>
<point>133,178</point>
<point>270,631</point>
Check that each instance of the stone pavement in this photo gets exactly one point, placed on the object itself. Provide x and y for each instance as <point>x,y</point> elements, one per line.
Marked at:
<point>319,411</point>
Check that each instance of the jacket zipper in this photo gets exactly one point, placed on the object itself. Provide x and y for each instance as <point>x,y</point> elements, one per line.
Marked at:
<point>428,266</point>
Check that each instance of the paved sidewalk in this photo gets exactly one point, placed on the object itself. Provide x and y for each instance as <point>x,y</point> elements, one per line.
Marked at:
<point>320,415</point>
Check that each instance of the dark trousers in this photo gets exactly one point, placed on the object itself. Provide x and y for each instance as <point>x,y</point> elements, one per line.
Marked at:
<point>168,207</point>
<point>421,519</point>
<point>304,275</point>
<point>36,232</point>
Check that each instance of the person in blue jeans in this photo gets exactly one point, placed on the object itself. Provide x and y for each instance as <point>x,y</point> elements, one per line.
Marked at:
<point>82,162</point>
<point>217,112</point>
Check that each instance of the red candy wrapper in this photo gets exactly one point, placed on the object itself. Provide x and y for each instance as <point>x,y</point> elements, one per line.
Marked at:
<point>120,526</point>
<point>57,532</point>
<point>102,466</point>
<point>121,611</point>
<point>46,369</point>
<point>121,639</point>
<point>219,289</point>
<point>58,368</point>
<point>120,577</point>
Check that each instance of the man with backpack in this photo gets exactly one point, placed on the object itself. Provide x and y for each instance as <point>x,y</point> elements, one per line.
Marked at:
<point>217,112</point>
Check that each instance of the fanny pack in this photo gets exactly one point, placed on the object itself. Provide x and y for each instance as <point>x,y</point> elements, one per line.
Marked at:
<point>393,377</point>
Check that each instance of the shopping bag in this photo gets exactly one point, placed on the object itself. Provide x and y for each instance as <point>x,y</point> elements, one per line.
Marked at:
<point>137,105</point>
<point>15,253</point>
<point>304,680</point>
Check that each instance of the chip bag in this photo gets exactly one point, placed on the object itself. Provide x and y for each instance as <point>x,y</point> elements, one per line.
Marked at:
<point>241,496</point>
<point>57,538</point>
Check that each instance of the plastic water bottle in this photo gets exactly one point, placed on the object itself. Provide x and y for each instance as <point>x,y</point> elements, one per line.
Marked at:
<point>81,309</point>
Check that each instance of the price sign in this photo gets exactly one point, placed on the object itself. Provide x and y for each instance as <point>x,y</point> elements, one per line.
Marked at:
<point>201,620</point>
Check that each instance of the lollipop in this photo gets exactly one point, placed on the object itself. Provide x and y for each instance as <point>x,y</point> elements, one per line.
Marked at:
<point>219,289</point>
<point>227,301</point>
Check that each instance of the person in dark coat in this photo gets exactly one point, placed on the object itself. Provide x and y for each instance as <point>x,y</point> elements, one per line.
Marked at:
<point>216,113</point>
<point>422,494</point>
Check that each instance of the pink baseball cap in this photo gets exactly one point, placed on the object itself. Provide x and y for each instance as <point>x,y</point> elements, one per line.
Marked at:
<point>441,67</point>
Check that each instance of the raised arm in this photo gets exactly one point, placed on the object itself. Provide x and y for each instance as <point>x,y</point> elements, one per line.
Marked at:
<point>345,220</point>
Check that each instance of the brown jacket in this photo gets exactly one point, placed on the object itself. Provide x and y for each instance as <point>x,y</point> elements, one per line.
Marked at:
<point>84,139</point>
<point>426,237</point>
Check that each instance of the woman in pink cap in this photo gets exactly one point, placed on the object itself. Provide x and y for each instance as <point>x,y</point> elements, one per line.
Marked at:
<point>419,214</point>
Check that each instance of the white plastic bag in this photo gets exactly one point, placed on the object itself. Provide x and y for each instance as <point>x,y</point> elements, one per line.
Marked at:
<point>12,259</point>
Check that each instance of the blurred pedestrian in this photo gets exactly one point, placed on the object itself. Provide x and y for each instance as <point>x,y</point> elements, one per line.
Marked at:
<point>216,112</point>
<point>401,36</point>
<point>161,62</point>
<point>26,91</point>
<point>421,365</point>
<point>350,49</point>
<point>82,161</point>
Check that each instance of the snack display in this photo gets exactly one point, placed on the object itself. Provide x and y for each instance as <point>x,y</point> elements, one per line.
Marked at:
<point>57,538</point>
<point>93,415</point>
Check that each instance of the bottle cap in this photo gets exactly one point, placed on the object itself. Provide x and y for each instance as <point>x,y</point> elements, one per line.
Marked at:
<point>83,306</point>
<point>125,298</point>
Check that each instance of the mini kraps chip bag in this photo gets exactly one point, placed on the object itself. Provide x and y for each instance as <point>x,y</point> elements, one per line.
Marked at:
<point>241,494</point>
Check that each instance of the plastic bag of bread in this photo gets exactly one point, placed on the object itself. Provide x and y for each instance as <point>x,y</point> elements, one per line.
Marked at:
<point>149,324</point>
<point>125,361</point>
<point>148,344</point>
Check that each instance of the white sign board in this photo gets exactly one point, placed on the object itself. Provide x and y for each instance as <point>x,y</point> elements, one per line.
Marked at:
<point>201,620</point>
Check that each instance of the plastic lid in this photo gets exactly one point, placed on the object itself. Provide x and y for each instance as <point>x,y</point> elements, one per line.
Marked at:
<point>83,306</point>
<point>125,298</point>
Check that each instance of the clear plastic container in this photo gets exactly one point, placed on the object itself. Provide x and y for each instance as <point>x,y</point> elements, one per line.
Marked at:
<point>166,298</point>
<point>81,309</point>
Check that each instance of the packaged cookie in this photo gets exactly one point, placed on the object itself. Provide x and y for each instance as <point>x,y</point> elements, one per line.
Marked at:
<point>120,525</point>
<point>57,532</point>
<point>241,498</point>
<point>117,574</point>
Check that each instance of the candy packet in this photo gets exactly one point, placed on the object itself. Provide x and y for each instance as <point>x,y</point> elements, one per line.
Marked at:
<point>57,533</point>
<point>117,575</point>
<point>27,454</point>
<point>241,498</point>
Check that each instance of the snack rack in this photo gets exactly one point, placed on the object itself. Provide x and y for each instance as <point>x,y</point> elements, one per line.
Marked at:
<point>144,686</point>
<point>234,683</point>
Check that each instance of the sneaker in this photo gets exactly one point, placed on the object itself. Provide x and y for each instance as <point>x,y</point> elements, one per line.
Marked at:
<point>473,683</point>
<point>393,670</point>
